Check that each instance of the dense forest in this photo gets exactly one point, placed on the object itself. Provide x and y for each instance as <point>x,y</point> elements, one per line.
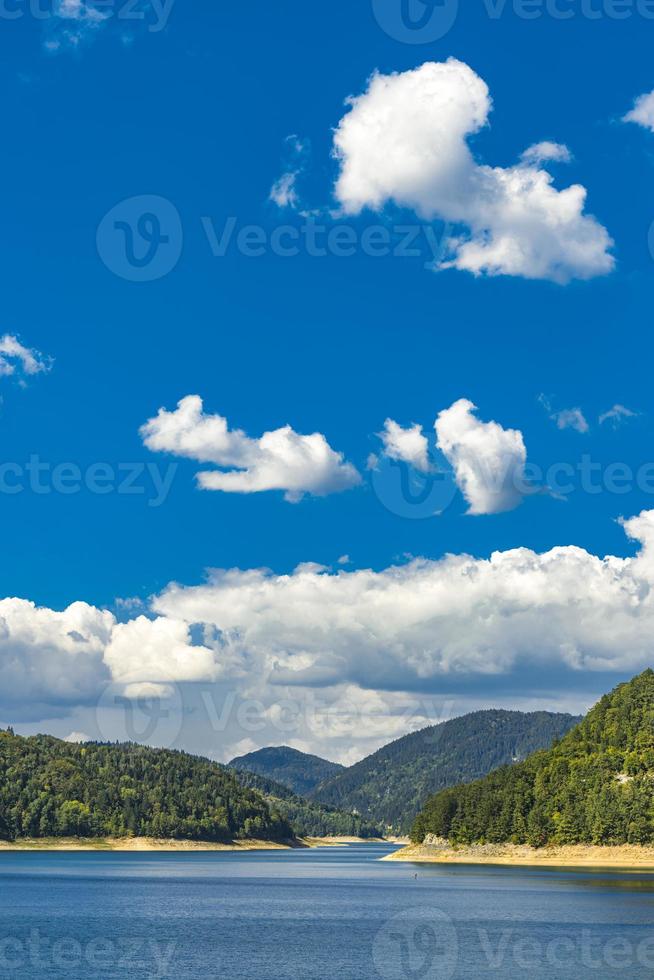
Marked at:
<point>297,770</point>
<point>595,786</point>
<point>389,787</point>
<point>308,819</point>
<point>50,788</point>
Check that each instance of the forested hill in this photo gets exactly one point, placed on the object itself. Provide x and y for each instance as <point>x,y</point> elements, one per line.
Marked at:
<point>308,819</point>
<point>299,771</point>
<point>596,786</point>
<point>50,788</point>
<point>390,786</point>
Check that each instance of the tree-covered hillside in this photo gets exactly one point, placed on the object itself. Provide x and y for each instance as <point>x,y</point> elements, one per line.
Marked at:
<point>596,786</point>
<point>299,771</point>
<point>50,788</point>
<point>390,786</point>
<point>307,819</point>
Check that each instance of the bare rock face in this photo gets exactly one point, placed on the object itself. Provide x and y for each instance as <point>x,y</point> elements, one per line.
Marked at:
<point>439,843</point>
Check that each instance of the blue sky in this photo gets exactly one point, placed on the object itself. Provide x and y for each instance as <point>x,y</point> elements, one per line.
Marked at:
<point>199,114</point>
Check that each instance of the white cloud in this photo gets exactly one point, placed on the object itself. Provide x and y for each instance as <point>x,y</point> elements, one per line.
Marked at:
<point>16,358</point>
<point>408,445</point>
<point>412,626</point>
<point>67,658</point>
<point>643,112</point>
<point>571,418</point>
<point>77,737</point>
<point>49,657</point>
<point>616,415</point>
<point>344,661</point>
<point>565,418</point>
<point>488,461</point>
<point>73,23</point>
<point>405,140</point>
<point>541,152</point>
<point>156,651</point>
<point>278,460</point>
<point>283,192</point>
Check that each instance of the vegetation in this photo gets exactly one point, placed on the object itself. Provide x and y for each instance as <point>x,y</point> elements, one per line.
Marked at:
<point>389,787</point>
<point>50,788</point>
<point>308,819</point>
<point>595,786</point>
<point>298,771</point>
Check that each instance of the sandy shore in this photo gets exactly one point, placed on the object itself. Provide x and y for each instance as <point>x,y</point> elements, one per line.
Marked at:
<point>628,857</point>
<point>156,844</point>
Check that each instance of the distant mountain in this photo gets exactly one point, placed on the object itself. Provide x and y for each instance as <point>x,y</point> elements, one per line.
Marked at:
<point>307,819</point>
<point>390,786</point>
<point>595,786</point>
<point>50,788</point>
<point>296,770</point>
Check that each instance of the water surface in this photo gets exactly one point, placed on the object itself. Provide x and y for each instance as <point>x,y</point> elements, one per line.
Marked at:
<point>315,915</point>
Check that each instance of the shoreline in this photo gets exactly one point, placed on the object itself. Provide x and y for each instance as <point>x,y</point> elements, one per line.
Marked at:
<point>624,857</point>
<point>158,844</point>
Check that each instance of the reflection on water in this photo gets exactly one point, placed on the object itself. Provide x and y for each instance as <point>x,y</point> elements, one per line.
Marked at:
<point>316,915</point>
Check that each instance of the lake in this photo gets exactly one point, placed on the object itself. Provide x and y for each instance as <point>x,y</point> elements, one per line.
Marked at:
<point>315,915</point>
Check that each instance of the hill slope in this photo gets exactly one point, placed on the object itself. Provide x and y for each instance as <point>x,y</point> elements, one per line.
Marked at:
<point>595,786</point>
<point>297,770</point>
<point>390,786</point>
<point>308,819</point>
<point>50,788</point>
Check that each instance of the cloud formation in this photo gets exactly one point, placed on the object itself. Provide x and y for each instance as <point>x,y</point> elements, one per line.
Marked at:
<point>405,140</point>
<point>488,461</point>
<point>410,627</point>
<point>278,460</point>
<point>616,415</point>
<point>643,112</point>
<point>15,358</point>
<point>408,445</point>
<point>565,418</point>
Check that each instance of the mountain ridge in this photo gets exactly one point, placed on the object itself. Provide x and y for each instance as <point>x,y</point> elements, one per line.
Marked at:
<point>594,786</point>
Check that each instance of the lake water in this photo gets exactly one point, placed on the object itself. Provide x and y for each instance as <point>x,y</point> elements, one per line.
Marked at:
<point>326,914</point>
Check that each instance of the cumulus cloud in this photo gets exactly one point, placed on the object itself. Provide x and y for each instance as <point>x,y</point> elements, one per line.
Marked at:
<point>156,651</point>
<point>408,445</point>
<point>15,358</point>
<point>405,140</point>
<point>59,659</point>
<point>616,415</point>
<point>488,461</point>
<point>278,460</point>
<point>411,627</point>
<point>49,657</point>
<point>643,112</point>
